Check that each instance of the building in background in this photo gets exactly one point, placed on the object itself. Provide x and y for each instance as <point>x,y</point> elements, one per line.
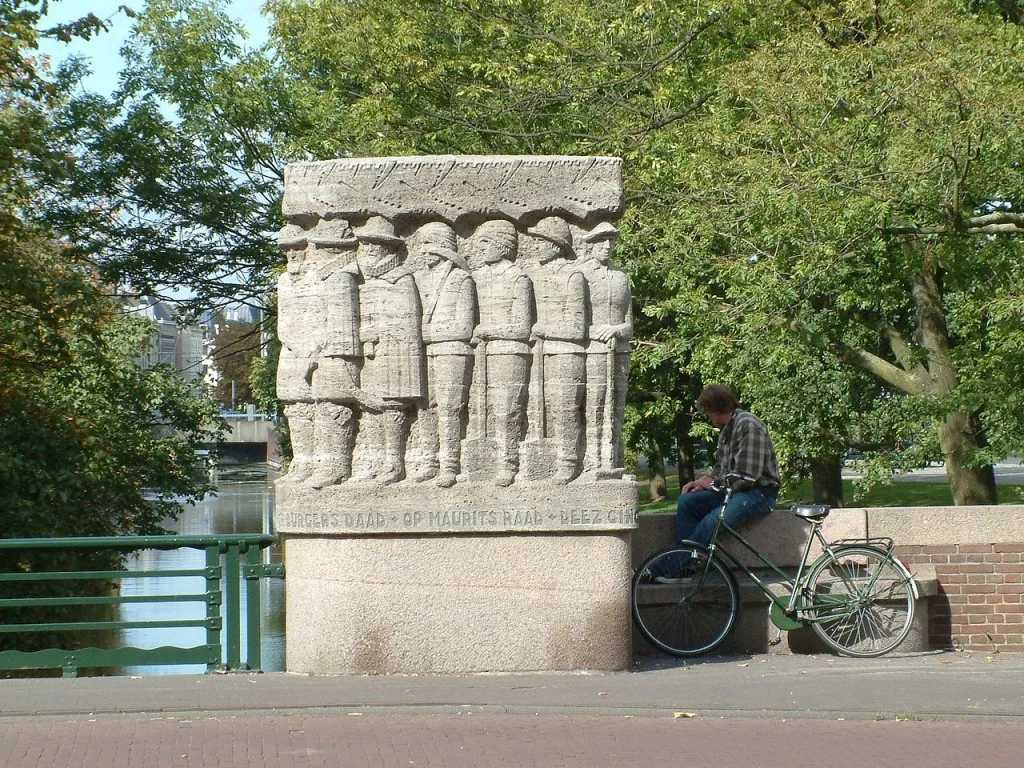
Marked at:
<point>185,348</point>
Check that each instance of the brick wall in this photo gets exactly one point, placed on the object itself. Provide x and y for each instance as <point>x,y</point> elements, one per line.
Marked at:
<point>979,605</point>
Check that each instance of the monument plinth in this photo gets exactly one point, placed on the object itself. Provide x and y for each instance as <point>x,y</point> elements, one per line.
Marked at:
<point>455,355</point>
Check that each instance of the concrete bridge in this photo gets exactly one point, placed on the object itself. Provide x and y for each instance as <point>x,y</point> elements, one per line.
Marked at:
<point>251,437</point>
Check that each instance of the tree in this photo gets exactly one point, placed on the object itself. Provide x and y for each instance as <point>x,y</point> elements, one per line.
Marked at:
<point>89,443</point>
<point>235,346</point>
<point>177,177</point>
<point>861,180</point>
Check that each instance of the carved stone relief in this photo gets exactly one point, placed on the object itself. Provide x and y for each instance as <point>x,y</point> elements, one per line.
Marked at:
<point>453,324</point>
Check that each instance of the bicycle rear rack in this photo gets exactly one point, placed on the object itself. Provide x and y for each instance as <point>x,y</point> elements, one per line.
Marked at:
<point>883,542</point>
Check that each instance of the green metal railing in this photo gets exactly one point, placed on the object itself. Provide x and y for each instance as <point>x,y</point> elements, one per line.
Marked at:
<point>230,561</point>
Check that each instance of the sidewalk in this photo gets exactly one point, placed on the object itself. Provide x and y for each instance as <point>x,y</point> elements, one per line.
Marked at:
<point>969,686</point>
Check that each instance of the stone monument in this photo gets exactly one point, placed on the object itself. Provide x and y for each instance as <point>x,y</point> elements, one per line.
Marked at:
<point>455,353</point>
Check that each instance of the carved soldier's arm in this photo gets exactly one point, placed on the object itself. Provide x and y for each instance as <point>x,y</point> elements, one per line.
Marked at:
<point>521,317</point>
<point>574,319</point>
<point>458,327</point>
<point>342,316</point>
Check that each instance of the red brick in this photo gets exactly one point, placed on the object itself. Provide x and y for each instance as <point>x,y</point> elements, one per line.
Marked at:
<point>1009,589</point>
<point>974,548</point>
<point>1013,618</point>
<point>1013,568</point>
<point>944,549</point>
<point>1018,548</point>
<point>979,589</point>
<point>977,568</point>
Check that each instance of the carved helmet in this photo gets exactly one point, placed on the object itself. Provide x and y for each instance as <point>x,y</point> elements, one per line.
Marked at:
<point>603,231</point>
<point>332,233</point>
<point>439,238</point>
<point>292,237</point>
<point>378,230</point>
<point>554,230</point>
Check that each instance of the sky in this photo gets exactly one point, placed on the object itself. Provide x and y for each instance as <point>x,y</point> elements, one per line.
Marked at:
<point>102,51</point>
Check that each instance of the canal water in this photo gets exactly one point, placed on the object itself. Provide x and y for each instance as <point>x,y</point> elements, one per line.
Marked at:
<point>244,503</point>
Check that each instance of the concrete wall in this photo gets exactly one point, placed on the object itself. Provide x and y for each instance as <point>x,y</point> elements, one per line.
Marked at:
<point>976,553</point>
<point>458,603</point>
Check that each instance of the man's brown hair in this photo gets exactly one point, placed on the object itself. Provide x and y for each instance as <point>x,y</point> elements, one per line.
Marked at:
<point>718,398</point>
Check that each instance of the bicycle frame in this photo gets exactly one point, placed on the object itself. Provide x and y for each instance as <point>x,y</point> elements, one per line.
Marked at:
<point>791,606</point>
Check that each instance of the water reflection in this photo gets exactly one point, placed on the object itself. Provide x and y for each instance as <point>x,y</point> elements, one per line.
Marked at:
<point>244,504</point>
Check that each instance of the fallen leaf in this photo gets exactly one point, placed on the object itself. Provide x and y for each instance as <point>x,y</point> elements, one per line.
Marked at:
<point>677,715</point>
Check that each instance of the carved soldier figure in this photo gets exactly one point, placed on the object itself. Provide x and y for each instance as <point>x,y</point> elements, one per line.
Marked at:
<point>336,379</point>
<point>561,292</point>
<point>448,302</point>
<point>300,334</point>
<point>607,354</point>
<point>318,371</point>
<point>502,341</point>
<point>393,359</point>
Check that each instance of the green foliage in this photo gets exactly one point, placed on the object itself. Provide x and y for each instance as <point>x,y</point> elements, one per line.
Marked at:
<point>177,178</point>
<point>236,346</point>
<point>91,444</point>
<point>849,130</point>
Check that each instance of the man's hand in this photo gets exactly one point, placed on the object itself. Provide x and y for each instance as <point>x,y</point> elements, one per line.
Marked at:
<point>700,484</point>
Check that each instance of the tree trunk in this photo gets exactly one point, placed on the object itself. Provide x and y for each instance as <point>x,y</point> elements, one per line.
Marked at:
<point>827,480</point>
<point>960,434</point>
<point>656,467</point>
<point>684,448</point>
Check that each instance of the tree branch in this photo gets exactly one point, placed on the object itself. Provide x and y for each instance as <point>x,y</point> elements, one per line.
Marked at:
<point>1001,223</point>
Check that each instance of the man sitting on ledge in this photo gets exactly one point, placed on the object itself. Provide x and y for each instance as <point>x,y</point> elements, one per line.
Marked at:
<point>745,461</point>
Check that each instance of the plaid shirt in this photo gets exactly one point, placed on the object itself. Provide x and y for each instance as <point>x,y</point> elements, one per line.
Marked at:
<point>745,448</point>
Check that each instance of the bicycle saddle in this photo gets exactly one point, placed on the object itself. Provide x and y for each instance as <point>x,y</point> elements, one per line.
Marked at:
<point>811,511</point>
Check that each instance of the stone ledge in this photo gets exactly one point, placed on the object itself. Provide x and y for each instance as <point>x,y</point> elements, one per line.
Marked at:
<point>454,186</point>
<point>781,535</point>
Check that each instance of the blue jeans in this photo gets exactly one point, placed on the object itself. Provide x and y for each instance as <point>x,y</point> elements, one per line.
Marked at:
<point>697,512</point>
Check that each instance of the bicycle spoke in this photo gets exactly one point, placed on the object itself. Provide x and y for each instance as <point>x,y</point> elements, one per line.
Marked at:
<point>689,617</point>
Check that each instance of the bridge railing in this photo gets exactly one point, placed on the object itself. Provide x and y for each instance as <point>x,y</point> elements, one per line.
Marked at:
<point>231,573</point>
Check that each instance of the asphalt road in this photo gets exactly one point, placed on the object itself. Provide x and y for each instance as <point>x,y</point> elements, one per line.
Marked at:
<point>931,710</point>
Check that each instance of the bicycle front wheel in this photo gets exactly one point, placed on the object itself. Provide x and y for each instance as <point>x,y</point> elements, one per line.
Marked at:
<point>684,601</point>
<point>862,601</point>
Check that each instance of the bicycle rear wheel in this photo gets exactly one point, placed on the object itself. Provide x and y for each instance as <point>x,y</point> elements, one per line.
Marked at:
<point>694,610</point>
<point>863,601</point>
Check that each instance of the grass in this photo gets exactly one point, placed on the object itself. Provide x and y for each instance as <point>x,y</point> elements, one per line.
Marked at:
<point>901,494</point>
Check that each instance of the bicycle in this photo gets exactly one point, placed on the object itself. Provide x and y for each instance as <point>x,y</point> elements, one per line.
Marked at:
<point>856,596</point>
